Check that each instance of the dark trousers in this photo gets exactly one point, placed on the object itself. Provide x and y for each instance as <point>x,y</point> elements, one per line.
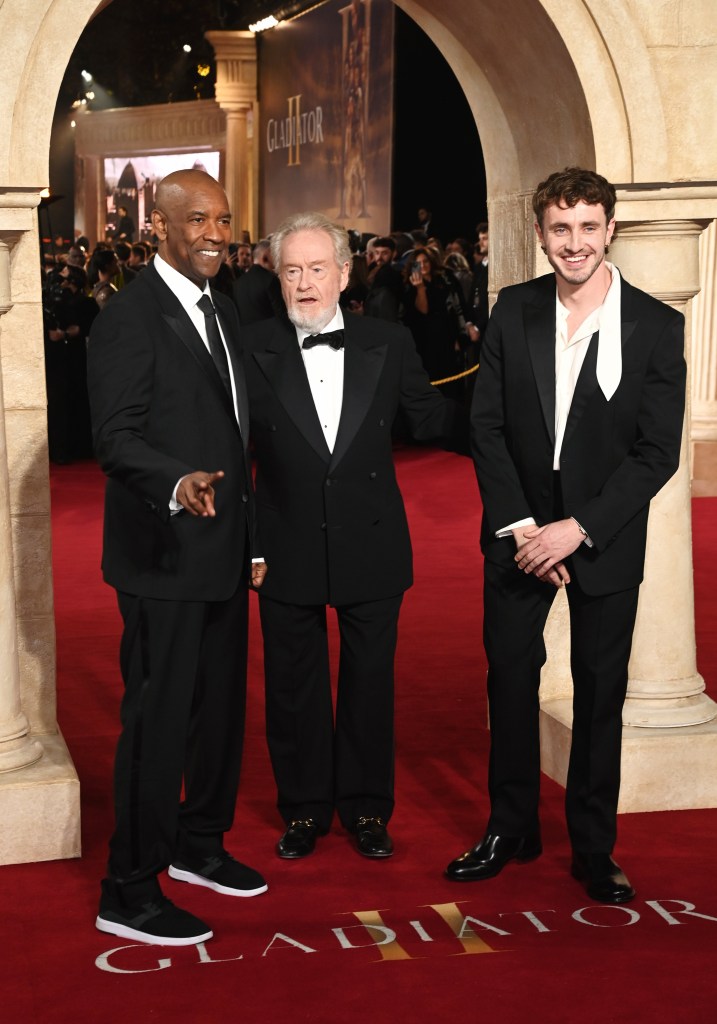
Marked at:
<point>516,607</point>
<point>184,669</point>
<point>320,767</point>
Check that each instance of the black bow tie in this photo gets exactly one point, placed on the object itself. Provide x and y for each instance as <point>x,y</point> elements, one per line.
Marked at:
<point>333,338</point>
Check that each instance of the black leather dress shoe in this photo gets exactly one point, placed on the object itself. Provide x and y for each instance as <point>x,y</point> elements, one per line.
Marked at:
<point>372,838</point>
<point>603,879</point>
<point>490,856</point>
<point>299,840</point>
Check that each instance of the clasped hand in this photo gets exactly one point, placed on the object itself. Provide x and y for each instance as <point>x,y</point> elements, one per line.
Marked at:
<point>543,549</point>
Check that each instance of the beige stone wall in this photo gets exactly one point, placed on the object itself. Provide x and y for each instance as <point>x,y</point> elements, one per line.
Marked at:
<point>627,86</point>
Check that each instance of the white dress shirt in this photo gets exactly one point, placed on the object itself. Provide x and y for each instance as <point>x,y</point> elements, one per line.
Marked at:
<point>325,370</point>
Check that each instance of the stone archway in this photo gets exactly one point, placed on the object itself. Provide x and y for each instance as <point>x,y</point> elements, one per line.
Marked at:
<point>550,82</point>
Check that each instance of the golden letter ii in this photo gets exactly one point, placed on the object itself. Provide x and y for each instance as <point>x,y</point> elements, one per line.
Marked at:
<point>293,123</point>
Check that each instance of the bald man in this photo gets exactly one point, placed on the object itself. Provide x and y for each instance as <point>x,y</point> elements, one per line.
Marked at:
<point>170,425</point>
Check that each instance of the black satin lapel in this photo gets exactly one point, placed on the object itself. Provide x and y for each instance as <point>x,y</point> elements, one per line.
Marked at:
<point>585,387</point>
<point>239,378</point>
<point>185,330</point>
<point>539,325</point>
<point>284,369</point>
<point>627,327</point>
<point>362,369</point>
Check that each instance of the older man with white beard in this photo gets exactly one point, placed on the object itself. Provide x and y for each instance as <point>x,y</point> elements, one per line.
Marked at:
<point>324,389</point>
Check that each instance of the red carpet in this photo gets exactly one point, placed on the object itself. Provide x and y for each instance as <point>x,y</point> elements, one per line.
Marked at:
<point>302,951</point>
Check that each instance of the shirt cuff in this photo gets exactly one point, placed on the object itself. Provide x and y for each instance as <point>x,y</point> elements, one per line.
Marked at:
<point>174,505</point>
<point>507,531</point>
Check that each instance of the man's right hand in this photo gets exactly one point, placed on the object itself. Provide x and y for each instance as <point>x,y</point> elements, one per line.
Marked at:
<point>195,493</point>
<point>558,575</point>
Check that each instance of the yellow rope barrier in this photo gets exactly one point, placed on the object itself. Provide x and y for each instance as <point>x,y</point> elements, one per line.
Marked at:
<point>449,380</point>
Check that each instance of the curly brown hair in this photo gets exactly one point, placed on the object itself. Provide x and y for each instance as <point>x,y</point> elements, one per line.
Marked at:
<point>572,186</point>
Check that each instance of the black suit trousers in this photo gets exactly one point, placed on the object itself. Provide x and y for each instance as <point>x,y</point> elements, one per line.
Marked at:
<point>184,669</point>
<point>516,608</point>
<point>319,766</point>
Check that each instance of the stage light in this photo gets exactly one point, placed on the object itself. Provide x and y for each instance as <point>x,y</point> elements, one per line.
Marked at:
<point>264,24</point>
<point>73,124</point>
<point>187,48</point>
<point>90,95</point>
<point>87,76</point>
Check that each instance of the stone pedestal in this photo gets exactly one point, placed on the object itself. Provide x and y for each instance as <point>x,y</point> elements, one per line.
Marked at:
<point>670,737</point>
<point>40,807</point>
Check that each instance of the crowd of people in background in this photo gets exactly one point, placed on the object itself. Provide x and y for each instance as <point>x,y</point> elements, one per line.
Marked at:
<point>437,287</point>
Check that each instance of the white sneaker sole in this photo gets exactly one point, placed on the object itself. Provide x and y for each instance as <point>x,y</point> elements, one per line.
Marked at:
<point>123,931</point>
<point>189,876</point>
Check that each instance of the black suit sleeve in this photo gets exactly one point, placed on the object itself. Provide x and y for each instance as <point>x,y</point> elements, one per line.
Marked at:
<point>428,412</point>
<point>121,371</point>
<point>502,493</point>
<point>655,454</point>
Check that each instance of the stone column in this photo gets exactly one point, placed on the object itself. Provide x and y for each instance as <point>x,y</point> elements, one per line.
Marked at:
<point>665,690</point>
<point>39,789</point>
<point>670,736</point>
<point>17,748</point>
<point>704,370</point>
<point>236,94</point>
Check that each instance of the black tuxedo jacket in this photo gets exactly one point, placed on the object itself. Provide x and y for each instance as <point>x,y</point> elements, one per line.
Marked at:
<point>332,526</point>
<point>615,455</point>
<point>160,411</point>
<point>257,295</point>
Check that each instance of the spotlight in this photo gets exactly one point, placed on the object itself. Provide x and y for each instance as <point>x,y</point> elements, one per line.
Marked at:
<point>87,76</point>
<point>264,24</point>
<point>90,95</point>
<point>187,48</point>
<point>73,124</point>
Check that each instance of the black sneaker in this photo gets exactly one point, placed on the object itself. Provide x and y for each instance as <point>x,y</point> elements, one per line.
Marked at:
<point>158,922</point>
<point>221,873</point>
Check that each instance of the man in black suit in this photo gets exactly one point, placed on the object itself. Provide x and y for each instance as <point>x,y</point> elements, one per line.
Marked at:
<point>171,424</point>
<point>257,293</point>
<point>576,424</point>
<point>324,389</point>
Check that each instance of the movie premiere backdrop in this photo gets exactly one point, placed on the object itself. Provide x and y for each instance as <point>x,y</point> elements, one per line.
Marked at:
<point>326,121</point>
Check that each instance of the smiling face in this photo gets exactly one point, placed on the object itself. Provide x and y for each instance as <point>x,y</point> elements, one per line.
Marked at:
<point>193,224</point>
<point>311,279</point>
<point>575,238</point>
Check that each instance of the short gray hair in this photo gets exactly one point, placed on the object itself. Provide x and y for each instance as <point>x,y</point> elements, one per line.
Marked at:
<point>311,222</point>
<point>261,246</point>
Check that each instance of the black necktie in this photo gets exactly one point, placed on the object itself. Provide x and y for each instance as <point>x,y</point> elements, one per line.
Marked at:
<point>333,338</point>
<point>216,345</point>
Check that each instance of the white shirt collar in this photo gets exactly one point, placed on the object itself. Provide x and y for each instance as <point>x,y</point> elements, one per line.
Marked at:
<point>607,319</point>
<point>185,290</point>
<point>609,358</point>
